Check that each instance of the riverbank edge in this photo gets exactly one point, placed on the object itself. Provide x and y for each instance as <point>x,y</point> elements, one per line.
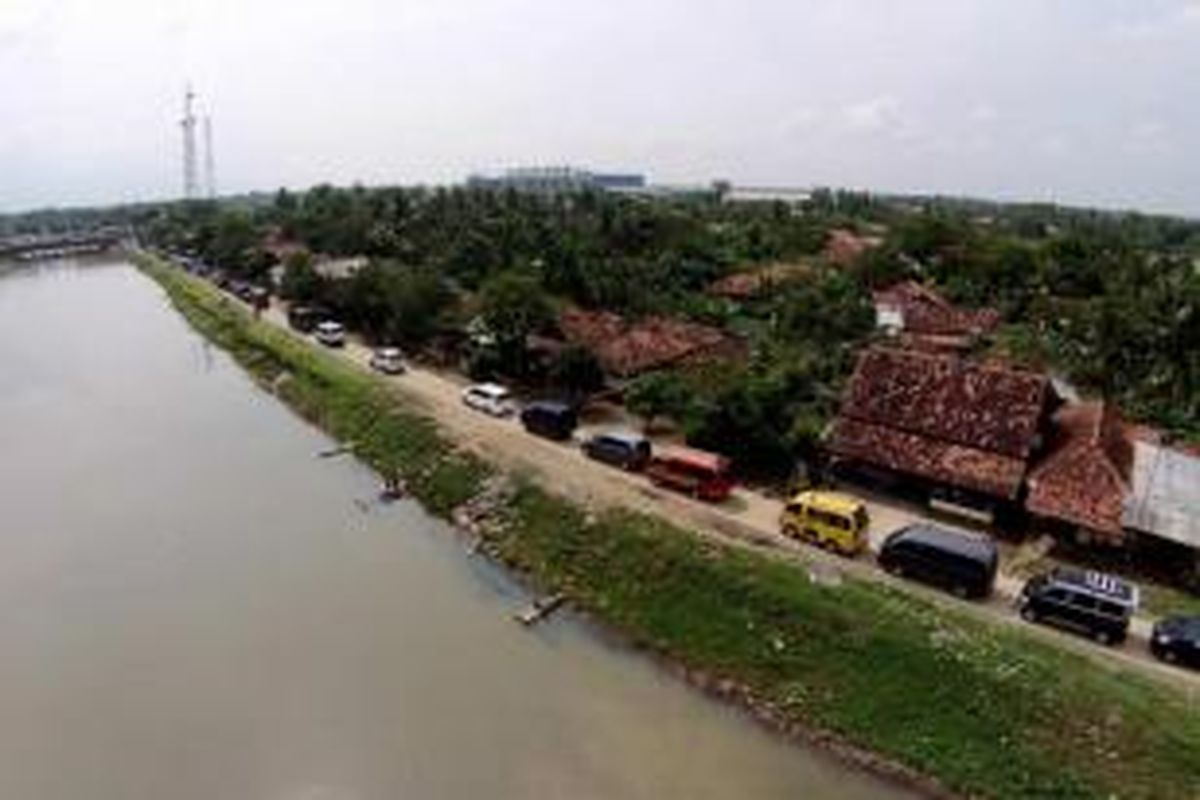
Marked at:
<point>562,547</point>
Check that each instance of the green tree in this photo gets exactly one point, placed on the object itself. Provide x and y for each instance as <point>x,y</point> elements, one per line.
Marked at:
<point>417,299</point>
<point>659,394</point>
<point>300,282</point>
<point>577,372</point>
<point>513,305</point>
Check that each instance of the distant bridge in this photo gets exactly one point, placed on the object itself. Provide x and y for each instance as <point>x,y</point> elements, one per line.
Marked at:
<point>29,247</point>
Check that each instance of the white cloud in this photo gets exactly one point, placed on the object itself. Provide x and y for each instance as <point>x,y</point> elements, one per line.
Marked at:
<point>1148,137</point>
<point>983,113</point>
<point>953,95</point>
<point>874,115</point>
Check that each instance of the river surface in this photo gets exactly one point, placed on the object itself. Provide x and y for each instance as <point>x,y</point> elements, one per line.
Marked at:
<point>195,607</point>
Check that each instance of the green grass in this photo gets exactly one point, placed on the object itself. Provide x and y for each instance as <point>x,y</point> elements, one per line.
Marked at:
<point>1162,600</point>
<point>985,711</point>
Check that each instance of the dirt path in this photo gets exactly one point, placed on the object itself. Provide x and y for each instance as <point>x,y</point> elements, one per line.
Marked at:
<point>747,519</point>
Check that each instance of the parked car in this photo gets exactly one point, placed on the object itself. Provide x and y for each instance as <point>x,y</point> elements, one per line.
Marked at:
<point>1094,603</point>
<point>963,563</point>
<point>304,318</point>
<point>490,398</point>
<point>388,360</point>
<point>1177,640</point>
<point>239,288</point>
<point>834,521</point>
<point>625,450</point>
<point>549,419</point>
<point>703,475</point>
<point>331,334</point>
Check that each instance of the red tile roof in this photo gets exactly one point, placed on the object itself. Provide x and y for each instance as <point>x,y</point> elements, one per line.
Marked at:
<point>943,418</point>
<point>926,312</point>
<point>743,285</point>
<point>935,460</point>
<point>625,349</point>
<point>844,246</point>
<point>1086,476</point>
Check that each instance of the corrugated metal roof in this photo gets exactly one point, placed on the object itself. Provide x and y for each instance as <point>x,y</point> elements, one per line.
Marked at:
<point>1165,501</point>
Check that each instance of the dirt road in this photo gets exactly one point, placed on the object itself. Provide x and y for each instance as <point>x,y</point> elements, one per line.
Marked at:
<point>747,519</point>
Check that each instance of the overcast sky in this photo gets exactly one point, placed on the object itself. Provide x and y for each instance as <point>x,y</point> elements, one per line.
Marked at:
<point>1080,101</point>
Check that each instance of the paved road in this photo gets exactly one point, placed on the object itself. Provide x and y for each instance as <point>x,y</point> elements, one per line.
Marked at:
<point>747,519</point>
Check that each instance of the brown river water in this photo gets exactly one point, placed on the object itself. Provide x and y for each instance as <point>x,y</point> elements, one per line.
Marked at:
<point>193,606</point>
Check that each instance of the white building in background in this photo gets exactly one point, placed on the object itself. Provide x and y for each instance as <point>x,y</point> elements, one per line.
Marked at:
<point>556,180</point>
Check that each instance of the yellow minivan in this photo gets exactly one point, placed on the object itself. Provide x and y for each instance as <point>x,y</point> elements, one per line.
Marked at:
<point>827,519</point>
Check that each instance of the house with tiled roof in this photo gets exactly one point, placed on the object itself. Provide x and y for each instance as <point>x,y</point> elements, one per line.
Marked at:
<point>626,349</point>
<point>757,281</point>
<point>843,246</point>
<point>921,317</point>
<point>944,421</point>
<point>1085,478</point>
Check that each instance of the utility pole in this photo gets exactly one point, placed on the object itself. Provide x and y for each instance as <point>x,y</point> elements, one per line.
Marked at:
<point>210,169</point>
<point>188,123</point>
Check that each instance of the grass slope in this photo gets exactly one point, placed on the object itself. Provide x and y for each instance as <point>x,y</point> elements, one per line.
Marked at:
<point>983,711</point>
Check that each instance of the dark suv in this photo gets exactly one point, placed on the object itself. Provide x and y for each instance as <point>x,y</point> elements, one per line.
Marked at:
<point>1094,603</point>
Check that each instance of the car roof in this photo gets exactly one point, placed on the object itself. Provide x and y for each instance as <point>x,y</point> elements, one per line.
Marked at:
<point>388,351</point>
<point>625,437</point>
<point>329,323</point>
<point>714,462</point>
<point>553,406</point>
<point>964,544</point>
<point>1188,624</point>
<point>1098,583</point>
<point>829,501</point>
<point>494,389</point>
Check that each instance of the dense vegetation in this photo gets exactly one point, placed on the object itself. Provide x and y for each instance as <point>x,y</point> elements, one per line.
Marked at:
<point>1109,301</point>
<point>985,712</point>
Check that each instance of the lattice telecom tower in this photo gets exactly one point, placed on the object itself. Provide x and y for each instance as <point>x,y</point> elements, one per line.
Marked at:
<point>189,145</point>
<point>210,168</point>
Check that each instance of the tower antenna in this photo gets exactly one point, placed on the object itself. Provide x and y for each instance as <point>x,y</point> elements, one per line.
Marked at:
<point>188,123</point>
<point>210,169</point>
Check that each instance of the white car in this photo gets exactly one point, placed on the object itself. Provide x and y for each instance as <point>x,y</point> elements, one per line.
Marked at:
<point>490,398</point>
<point>388,360</point>
<point>331,334</point>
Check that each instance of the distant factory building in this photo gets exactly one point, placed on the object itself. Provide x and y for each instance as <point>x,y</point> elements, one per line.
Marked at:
<point>557,180</point>
<point>766,194</point>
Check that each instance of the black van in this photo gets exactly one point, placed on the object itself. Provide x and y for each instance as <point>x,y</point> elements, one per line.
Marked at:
<point>625,450</point>
<point>549,419</point>
<point>1095,603</point>
<point>304,318</point>
<point>964,564</point>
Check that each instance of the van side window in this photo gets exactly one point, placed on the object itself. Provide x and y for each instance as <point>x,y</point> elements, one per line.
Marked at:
<point>1083,601</point>
<point>1057,596</point>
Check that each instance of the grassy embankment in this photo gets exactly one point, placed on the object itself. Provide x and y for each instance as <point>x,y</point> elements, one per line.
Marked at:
<point>983,711</point>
